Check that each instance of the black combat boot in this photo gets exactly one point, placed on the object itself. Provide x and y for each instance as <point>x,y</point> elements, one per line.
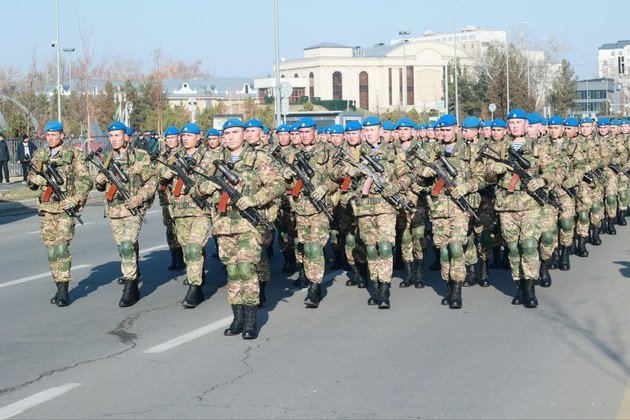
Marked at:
<point>456,295</point>
<point>595,239</point>
<point>518,297</point>
<point>250,330</point>
<point>418,274</point>
<point>120,280</point>
<point>449,293</point>
<point>383,295</point>
<point>565,264</point>
<point>173,265</point>
<point>604,226</point>
<point>130,294</point>
<point>545,277</point>
<point>610,227</point>
<point>194,296</point>
<point>61,298</point>
<point>236,327</point>
<point>313,295</point>
<point>496,257</point>
<point>408,277</point>
<point>338,262</point>
<point>471,276</point>
<point>555,259</point>
<point>290,263</point>
<point>353,276</point>
<point>484,276</point>
<point>437,264</point>
<point>573,247</point>
<point>398,259</point>
<point>373,290</point>
<point>621,218</point>
<point>364,275</point>
<point>529,293</point>
<point>262,297</point>
<point>581,247</point>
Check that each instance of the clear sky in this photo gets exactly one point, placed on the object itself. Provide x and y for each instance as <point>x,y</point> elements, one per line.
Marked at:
<point>236,38</point>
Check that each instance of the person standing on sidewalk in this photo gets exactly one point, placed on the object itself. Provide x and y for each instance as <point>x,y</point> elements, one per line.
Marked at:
<point>4,159</point>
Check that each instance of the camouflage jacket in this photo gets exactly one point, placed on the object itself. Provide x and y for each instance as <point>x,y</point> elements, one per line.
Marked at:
<point>70,164</point>
<point>142,181</point>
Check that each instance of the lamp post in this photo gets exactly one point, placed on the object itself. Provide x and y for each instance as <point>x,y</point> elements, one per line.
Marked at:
<point>507,75</point>
<point>69,51</point>
<point>277,48</point>
<point>58,46</point>
<point>404,98</point>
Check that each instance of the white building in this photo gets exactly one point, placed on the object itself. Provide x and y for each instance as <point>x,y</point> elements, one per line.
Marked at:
<point>613,59</point>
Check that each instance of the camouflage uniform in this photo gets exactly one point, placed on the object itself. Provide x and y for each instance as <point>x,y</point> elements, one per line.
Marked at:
<point>594,159</point>
<point>620,160</point>
<point>607,148</point>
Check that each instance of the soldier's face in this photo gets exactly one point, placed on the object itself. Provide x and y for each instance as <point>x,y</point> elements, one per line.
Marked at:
<point>353,137</point>
<point>373,134</point>
<point>307,136</point>
<point>486,132</point>
<point>431,133</point>
<point>234,138</point>
<point>556,131</point>
<point>422,133</point>
<point>571,132</point>
<point>284,138</point>
<point>214,141</point>
<point>470,134</point>
<point>190,140</point>
<point>387,136</point>
<point>53,138</point>
<point>448,134</point>
<point>172,141</point>
<point>253,135</point>
<point>603,130</point>
<point>395,135</point>
<point>586,129</point>
<point>336,139</point>
<point>625,129</point>
<point>518,127</point>
<point>498,133</point>
<point>295,138</point>
<point>615,129</point>
<point>117,138</point>
<point>404,133</point>
<point>533,130</point>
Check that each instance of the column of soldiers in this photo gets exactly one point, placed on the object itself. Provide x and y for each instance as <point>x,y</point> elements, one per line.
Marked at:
<point>539,189</point>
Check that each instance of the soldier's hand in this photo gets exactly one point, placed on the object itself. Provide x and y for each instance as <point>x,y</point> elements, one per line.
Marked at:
<point>35,179</point>
<point>427,172</point>
<point>101,179</point>
<point>570,182</point>
<point>352,172</point>
<point>391,190</point>
<point>245,202</point>
<point>203,189</point>
<point>499,168</point>
<point>319,192</point>
<point>134,202</point>
<point>460,191</point>
<point>286,173</point>
<point>69,202</point>
<point>535,184</point>
<point>166,173</point>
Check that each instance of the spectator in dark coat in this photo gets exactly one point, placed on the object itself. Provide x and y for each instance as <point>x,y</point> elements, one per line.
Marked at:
<point>27,147</point>
<point>4,158</point>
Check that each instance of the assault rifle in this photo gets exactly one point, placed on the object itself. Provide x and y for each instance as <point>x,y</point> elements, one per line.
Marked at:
<point>182,168</point>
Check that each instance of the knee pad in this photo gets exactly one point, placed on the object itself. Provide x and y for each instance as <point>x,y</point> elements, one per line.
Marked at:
<point>371,252</point>
<point>583,217</point>
<point>417,233</point>
<point>313,251</point>
<point>457,250</point>
<point>385,250</point>
<point>623,196</point>
<point>566,225</point>
<point>547,238</point>
<point>406,237</point>
<point>62,250</point>
<point>530,248</point>
<point>246,270</point>
<point>193,252</point>
<point>126,249</point>
<point>444,258</point>
<point>52,253</point>
<point>351,241</point>
<point>611,200</point>
<point>513,248</point>
<point>596,207</point>
<point>232,272</point>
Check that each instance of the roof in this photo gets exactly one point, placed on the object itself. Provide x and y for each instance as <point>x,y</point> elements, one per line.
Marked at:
<point>616,46</point>
<point>380,50</point>
<point>327,45</point>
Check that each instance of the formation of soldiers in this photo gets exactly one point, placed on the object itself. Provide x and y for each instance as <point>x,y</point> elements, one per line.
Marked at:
<point>525,192</point>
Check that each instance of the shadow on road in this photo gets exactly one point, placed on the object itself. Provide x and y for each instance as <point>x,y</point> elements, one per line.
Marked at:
<point>625,268</point>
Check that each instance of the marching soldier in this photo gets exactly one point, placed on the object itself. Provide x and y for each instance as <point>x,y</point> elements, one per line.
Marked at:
<point>596,187</point>
<point>171,138</point>
<point>58,212</point>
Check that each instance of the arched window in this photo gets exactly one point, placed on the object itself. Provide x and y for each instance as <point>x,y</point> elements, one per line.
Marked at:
<point>311,85</point>
<point>364,100</point>
<point>296,75</point>
<point>337,85</point>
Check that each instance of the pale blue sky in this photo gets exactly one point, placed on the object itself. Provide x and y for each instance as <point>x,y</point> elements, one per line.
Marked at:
<point>236,38</point>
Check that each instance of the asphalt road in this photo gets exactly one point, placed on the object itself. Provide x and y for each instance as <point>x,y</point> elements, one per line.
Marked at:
<point>567,359</point>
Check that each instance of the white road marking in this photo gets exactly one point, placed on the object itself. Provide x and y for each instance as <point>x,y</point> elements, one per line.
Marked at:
<point>192,335</point>
<point>39,276</point>
<point>154,211</point>
<point>39,398</point>
<point>153,248</point>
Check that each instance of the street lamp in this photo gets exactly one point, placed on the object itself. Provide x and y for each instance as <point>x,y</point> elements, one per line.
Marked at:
<point>404,98</point>
<point>69,51</point>
<point>277,59</point>
<point>58,46</point>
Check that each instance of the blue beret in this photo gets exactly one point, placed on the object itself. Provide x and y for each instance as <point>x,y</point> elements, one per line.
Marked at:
<point>603,122</point>
<point>53,126</point>
<point>191,128</point>
<point>233,122</point>
<point>533,118</point>
<point>388,126</point>
<point>555,120</point>
<point>306,122</point>
<point>265,130</point>
<point>353,126</point>
<point>431,126</point>
<point>615,121</point>
<point>517,114</point>
<point>485,124</point>
<point>328,130</point>
<point>213,132</point>
<point>471,122</point>
<point>283,128</point>
<point>586,120</point>
<point>336,129</point>
<point>448,120</point>
<point>371,120</point>
<point>254,123</point>
<point>404,122</point>
<point>294,128</point>
<point>543,120</point>
<point>498,122</point>
<point>171,130</point>
<point>625,122</point>
<point>117,125</point>
<point>571,122</point>
<point>128,131</point>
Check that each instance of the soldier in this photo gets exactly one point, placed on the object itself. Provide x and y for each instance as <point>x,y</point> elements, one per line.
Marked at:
<point>486,130</point>
<point>125,215</point>
<point>337,237</point>
<point>240,242</point>
<point>498,138</point>
<point>623,180</point>
<point>619,159</point>
<point>595,186</point>
<point>214,138</point>
<point>57,222</point>
<point>605,140</point>
<point>387,131</point>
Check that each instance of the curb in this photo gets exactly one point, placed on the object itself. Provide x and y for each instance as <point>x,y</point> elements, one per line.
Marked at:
<point>14,207</point>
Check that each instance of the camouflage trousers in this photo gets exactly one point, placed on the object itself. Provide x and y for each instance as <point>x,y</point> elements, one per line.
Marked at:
<point>566,220</point>
<point>449,236</point>
<point>240,253</point>
<point>126,231</point>
<point>521,231</point>
<point>378,233</point>
<point>597,205</point>
<point>168,221</point>
<point>622,191</point>
<point>548,231</point>
<point>313,231</point>
<point>610,192</point>
<point>57,231</point>
<point>484,232</point>
<point>192,233</point>
<point>583,204</point>
<point>349,229</point>
<point>412,228</point>
<point>262,266</point>
<point>286,226</point>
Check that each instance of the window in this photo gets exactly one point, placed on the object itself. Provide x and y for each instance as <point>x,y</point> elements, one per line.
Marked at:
<point>311,86</point>
<point>364,100</point>
<point>400,84</point>
<point>410,97</point>
<point>337,85</point>
<point>621,65</point>
<point>296,75</point>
